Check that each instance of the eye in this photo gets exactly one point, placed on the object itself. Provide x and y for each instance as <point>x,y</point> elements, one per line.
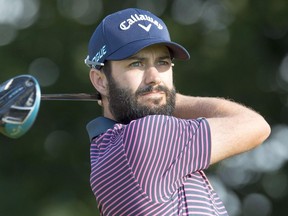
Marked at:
<point>165,63</point>
<point>136,64</point>
<point>162,62</point>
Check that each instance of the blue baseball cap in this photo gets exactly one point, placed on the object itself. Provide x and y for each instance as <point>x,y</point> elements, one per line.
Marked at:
<point>126,32</point>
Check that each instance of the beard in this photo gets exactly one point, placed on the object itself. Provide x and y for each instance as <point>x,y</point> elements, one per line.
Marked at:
<point>124,106</point>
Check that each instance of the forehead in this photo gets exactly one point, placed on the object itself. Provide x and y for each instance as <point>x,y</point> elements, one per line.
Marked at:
<point>152,52</point>
<point>158,50</point>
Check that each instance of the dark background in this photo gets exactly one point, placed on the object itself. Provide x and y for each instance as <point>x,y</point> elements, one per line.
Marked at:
<point>239,50</point>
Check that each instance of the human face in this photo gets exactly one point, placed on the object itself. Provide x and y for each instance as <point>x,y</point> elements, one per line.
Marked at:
<point>142,85</point>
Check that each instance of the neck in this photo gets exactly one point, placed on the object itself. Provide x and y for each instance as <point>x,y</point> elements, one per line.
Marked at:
<point>106,111</point>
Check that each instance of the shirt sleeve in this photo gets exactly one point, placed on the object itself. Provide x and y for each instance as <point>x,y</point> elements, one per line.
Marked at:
<point>162,151</point>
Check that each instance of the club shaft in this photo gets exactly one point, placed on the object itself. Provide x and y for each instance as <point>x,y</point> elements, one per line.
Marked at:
<point>71,97</point>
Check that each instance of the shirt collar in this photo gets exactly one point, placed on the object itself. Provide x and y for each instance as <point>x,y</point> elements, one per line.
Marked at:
<point>98,126</point>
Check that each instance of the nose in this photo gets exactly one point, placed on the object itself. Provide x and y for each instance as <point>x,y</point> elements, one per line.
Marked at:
<point>152,76</point>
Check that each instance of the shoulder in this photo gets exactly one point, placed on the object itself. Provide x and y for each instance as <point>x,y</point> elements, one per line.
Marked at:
<point>161,122</point>
<point>101,125</point>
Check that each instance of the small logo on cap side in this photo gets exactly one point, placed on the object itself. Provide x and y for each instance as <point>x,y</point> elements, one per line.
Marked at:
<point>126,24</point>
<point>100,54</point>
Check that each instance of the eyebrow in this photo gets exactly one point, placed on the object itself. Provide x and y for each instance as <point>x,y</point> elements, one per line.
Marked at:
<point>135,57</point>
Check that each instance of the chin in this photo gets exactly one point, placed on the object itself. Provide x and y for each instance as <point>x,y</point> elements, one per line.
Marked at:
<point>154,102</point>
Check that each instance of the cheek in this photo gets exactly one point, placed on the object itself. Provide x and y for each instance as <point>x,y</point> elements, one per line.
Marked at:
<point>132,82</point>
<point>167,79</point>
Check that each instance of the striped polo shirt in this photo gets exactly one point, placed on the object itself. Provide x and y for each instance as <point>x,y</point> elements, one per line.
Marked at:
<point>152,166</point>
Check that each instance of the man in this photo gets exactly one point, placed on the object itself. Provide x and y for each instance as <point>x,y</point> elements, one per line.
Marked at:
<point>149,150</point>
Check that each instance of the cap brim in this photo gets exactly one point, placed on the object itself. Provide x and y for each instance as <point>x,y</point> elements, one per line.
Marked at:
<point>178,51</point>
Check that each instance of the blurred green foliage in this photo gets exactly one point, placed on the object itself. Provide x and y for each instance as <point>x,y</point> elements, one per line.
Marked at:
<point>46,172</point>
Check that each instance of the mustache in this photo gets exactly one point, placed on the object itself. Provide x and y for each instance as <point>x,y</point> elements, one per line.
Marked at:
<point>149,89</point>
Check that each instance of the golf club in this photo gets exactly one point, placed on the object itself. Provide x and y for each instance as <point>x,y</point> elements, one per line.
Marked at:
<point>20,101</point>
<point>72,97</point>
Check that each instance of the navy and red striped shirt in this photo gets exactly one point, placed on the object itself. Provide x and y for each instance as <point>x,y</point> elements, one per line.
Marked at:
<point>152,166</point>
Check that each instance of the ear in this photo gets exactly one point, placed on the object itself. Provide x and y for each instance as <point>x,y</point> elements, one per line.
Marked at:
<point>99,81</point>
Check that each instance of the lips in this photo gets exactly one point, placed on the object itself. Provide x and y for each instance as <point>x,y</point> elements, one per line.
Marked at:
<point>153,93</point>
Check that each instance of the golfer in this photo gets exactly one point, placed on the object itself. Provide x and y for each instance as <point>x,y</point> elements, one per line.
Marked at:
<point>150,150</point>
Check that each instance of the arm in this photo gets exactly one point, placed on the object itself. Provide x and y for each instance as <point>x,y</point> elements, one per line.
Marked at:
<point>162,150</point>
<point>234,127</point>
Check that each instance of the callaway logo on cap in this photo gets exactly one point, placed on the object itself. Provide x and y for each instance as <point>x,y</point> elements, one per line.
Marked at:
<point>124,33</point>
